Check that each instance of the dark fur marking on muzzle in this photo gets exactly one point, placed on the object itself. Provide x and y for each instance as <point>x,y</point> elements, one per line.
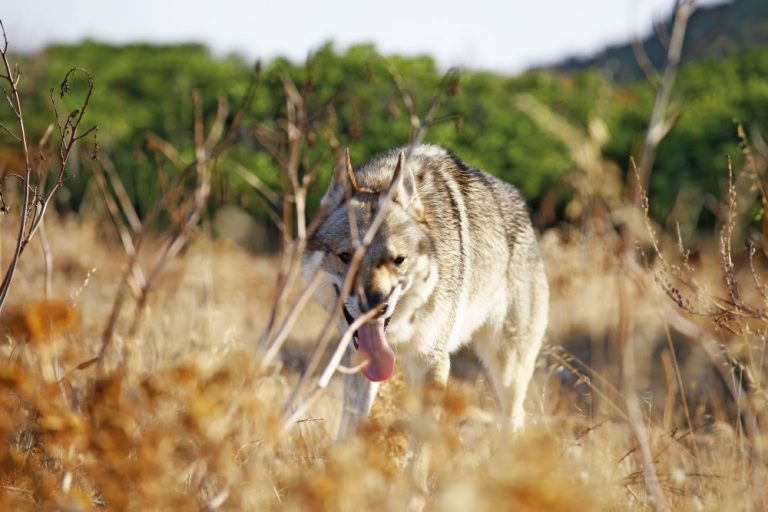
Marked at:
<point>348,317</point>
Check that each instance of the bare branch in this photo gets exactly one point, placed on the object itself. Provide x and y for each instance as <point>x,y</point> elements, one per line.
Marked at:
<point>420,125</point>
<point>267,193</point>
<point>69,136</point>
<point>644,62</point>
<point>5,43</point>
<point>385,200</point>
<point>185,216</point>
<point>759,285</point>
<point>333,365</point>
<point>126,206</point>
<point>45,249</point>
<point>407,98</point>
<point>276,343</point>
<point>14,100</point>
<point>626,342</point>
<point>660,121</point>
<point>125,236</point>
<point>449,81</point>
<point>9,132</point>
<point>726,236</point>
<point>217,128</point>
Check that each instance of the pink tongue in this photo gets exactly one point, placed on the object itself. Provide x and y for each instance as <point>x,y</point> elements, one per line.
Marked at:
<point>373,346</point>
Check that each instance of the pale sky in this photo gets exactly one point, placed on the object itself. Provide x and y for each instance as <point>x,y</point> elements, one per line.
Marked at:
<point>507,36</point>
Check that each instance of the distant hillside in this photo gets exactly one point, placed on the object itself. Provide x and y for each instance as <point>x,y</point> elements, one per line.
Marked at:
<point>714,31</point>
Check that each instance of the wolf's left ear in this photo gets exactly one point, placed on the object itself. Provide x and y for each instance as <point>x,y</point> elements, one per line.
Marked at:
<point>405,182</point>
<point>342,182</point>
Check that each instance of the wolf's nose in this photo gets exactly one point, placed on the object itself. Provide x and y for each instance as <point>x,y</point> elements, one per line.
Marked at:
<point>374,299</point>
<point>382,306</point>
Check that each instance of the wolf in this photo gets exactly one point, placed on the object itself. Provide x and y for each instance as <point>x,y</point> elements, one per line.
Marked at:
<point>454,260</point>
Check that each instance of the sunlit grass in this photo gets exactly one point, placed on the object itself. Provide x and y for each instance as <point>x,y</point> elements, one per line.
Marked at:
<point>185,417</point>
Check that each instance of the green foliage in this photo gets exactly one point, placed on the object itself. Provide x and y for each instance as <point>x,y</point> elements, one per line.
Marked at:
<point>143,89</point>
<point>715,96</point>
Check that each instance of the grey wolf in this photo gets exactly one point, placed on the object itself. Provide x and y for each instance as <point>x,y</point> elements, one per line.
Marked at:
<point>455,261</point>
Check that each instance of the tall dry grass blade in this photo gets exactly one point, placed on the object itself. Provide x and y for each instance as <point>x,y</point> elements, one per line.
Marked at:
<point>626,341</point>
<point>331,368</point>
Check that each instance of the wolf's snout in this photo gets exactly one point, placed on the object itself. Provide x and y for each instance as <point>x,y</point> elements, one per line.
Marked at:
<point>374,299</point>
<point>382,307</point>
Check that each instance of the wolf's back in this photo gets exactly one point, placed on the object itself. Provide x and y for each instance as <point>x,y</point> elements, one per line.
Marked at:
<point>477,221</point>
<point>481,237</point>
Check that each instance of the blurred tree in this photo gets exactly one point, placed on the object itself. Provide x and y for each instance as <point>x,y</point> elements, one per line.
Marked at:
<point>355,102</point>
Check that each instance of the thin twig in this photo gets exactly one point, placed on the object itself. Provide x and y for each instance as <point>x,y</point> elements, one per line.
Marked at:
<point>385,200</point>
<point>14,101</point>
<point>45,248</point>
<point>330,369</point>
<point>184,217</point>
<point>661,121</point>
<point>626,341</point>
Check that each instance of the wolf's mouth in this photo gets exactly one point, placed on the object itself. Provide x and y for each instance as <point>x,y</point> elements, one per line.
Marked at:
<point>371,343</point>
<point>355,337</point>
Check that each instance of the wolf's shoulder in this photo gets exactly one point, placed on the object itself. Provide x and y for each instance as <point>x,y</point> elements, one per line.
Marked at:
<point>432,164</point>
<point>418,154</point>
<point>376,173</point>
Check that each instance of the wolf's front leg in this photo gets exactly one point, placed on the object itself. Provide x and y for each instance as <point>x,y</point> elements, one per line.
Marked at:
<point>359,394</point>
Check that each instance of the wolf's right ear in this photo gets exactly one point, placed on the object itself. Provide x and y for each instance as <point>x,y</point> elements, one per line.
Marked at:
<point>405,191</point>
<point>342,183</point>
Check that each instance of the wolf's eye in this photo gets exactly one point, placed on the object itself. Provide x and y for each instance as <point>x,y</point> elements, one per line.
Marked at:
<point>399,260</point>
<point>345,257</point>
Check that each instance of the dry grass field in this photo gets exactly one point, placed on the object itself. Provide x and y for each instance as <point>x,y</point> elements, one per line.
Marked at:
<point>183,416</point>
<point>142,364</point>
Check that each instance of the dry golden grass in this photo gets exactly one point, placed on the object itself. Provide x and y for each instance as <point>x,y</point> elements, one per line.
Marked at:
<point>40,321</point>
<point>184,417</point>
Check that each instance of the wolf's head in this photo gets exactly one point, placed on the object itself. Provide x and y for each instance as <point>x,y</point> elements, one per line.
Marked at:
<point>396,257</point>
